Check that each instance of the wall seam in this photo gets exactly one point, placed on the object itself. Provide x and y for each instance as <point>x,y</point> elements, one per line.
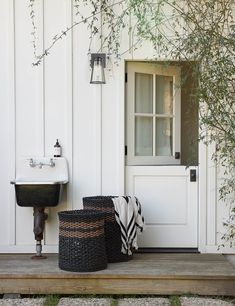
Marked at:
<point>14,121</point>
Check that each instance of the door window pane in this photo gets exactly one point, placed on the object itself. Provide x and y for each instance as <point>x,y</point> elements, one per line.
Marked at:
<point>143,93</point>
<point>164,136</point>
<point>143,136</point>
<point>164,94</point>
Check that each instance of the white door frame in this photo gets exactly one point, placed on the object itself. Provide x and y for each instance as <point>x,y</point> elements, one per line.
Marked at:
<point>202,167</point>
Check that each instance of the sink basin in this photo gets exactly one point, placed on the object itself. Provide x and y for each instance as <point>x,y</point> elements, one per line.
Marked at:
<point>38,194</point>
<point>39,183</point>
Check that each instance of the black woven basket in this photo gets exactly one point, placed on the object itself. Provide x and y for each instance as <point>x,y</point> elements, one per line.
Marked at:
<point>111,228</point>
<point>81,241</point>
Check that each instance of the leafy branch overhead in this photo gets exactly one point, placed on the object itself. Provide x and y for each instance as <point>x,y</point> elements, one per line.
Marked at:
<point>200,32</point>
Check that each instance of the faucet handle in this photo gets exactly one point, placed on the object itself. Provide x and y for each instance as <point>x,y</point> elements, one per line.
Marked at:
<point>31,162</point>
<point>52,163</point>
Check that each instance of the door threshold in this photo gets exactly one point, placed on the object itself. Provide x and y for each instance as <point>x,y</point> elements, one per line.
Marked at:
<point>167,250</point>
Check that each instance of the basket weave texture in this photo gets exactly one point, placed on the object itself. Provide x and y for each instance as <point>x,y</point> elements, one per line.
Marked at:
<point>81,241</point>
<point>111,228</point>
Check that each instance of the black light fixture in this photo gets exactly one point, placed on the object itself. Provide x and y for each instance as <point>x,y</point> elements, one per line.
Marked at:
<point>98,63</point>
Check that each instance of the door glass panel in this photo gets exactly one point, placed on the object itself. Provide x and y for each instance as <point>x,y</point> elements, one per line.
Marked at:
<point>143,136</point>
<point>164,136</point>
<point>164,94</point>
<point>143,93</point>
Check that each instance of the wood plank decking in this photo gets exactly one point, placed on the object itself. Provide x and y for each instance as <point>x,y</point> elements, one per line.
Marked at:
<point>161,274</point>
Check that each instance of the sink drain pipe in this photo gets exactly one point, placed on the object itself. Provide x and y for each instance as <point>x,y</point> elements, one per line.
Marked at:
<point>38,228</point>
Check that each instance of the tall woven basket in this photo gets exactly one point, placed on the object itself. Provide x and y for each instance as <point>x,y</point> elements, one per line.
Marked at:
<point>81,241</point>
<point>111,228</point>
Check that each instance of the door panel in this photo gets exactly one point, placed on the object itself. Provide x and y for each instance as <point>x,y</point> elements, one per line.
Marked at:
<point>169,203</point>
<point>153,169</point>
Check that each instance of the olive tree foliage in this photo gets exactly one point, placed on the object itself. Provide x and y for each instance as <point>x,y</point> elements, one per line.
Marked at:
<point>201,32</point>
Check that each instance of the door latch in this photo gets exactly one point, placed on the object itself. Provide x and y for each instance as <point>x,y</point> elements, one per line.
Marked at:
<point>177,155</point>
<point>193,175</point>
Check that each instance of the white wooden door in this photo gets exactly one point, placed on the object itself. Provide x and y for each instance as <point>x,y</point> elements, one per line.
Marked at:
<point>167,190</point>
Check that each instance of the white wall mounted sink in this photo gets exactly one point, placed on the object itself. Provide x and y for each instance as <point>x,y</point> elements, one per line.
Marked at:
<point>39,181</point>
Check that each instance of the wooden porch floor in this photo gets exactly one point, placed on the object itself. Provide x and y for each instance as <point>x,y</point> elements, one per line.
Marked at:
<point>161,274</point>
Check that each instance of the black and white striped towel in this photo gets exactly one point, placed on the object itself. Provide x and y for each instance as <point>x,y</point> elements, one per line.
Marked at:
<point>129,217</point>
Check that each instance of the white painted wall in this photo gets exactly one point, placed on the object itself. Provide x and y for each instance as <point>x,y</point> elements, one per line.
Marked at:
<point>55,100</point>
<point>213,211</point>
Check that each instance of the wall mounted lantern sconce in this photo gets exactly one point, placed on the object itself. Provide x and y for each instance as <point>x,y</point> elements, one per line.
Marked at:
<point>98,63</point>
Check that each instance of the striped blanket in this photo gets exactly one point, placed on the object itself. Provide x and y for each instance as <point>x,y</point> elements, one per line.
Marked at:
<point>129,217</point>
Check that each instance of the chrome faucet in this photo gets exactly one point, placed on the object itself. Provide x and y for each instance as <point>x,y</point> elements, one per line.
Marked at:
<point>33,163</point>
<point>51,163</point>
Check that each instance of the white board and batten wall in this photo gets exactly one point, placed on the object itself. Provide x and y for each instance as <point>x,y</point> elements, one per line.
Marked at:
<point>56,100</point>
